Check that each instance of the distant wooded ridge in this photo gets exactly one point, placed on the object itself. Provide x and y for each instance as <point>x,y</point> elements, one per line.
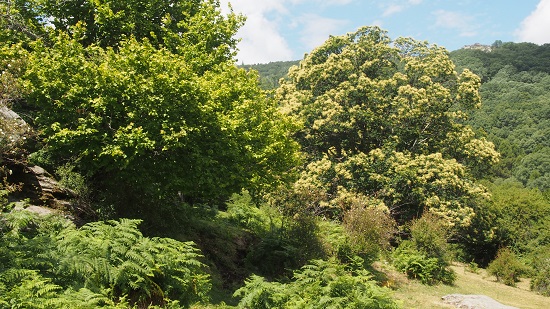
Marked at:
<point>484,60</point>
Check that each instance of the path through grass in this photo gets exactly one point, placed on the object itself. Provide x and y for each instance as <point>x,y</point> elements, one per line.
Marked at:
<point>412,294</point>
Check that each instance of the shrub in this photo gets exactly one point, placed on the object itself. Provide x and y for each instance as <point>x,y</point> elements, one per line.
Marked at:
<point>540,265</point>
<point>417,265</point>
<point>288,232</point>
<point>77,184</point>
<point>425,256</point>
<point>473,267</point>
<point>541,281</point>
<point>429,235</point>
<point>244,212</point>
<point>320,284</point>
<point>506,267</point>
<point>370,230</point>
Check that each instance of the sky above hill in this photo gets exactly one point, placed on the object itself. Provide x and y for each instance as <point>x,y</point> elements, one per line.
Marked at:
<point>279,30</point>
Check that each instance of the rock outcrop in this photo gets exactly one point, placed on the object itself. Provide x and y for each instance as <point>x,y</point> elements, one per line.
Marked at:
<point>40,187</point>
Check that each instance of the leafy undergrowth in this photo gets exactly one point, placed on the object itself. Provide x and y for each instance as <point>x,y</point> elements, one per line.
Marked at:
<point>413,294</point>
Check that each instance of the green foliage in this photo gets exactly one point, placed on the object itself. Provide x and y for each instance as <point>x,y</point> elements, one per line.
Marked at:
<point>141,122</point>
<point>429,234</point>
<point>384,119</point>
<point>540,282</point>
<point>523,216</point>
<point>473,268</point>
<point>243,211</point>
<point>144,100</point>
<point>179,26</point>
<point>288,241</point>
<point>515,217</point>
<point>19,22</point>
<point>271,73</point>
<point>321,284</point>
<point>76,184</point>
<point>29,289</point>
<point>117,256</point>
<point>426,255</point>
<point>506,267</point>
<point>97,265</point>
<point>370,231</point>
<point>417,265</point>
<point>515,112</point>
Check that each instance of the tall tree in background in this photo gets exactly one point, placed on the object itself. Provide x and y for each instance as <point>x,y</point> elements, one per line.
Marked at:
<point>382,125</point>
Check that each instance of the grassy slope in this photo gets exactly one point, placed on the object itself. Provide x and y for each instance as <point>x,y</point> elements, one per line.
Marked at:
<point>415,295</point>
<point>411,294</point>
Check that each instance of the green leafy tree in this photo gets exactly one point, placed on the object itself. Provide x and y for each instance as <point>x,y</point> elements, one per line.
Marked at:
<point>196,29</point>
<point>383,118</point>
<point>506,267</point>
<point>149,123</point>
<point>20,22</point>
<point>515,217</point>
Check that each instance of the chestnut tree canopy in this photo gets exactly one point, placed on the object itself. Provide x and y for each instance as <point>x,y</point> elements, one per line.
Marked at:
<point>382,124</point>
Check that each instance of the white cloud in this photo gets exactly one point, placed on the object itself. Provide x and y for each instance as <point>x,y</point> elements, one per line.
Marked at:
<point>535,28</point>
<point>261,42</point>
<point>336,2</point>
<point>394,8</point>
<point>462,23</point>
<point>260,38</point>
<point>316,29</point>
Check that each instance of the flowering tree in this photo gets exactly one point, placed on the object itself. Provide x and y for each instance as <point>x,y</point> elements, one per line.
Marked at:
<point>383,119</point>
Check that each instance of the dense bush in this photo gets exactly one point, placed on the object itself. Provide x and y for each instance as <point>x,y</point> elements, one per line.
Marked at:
<point>285,248</point>
<point>244,212</point>
<point>418,265</point>
<point>515,217</point>
<point>425,256</point>
<point>287,228</point>
<point>429,234</point>
<point>506,267</point>
<point>370,230</point>
<point>541,281</point>
<point>321,284</point>
<point>105,262</point>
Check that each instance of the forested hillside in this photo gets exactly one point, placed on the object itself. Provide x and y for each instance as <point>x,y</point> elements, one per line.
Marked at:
<point>271,73</point>
<point>516,111</point>
<point>178,182</point>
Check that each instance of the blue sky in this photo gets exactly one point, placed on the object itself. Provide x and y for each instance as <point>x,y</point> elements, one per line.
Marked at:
<point>287,29</point>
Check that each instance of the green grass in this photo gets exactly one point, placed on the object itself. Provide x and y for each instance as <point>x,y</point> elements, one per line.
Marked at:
<point>412,294</point>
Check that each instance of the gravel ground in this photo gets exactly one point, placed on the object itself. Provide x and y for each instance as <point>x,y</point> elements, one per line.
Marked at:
<point>474,302</point>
